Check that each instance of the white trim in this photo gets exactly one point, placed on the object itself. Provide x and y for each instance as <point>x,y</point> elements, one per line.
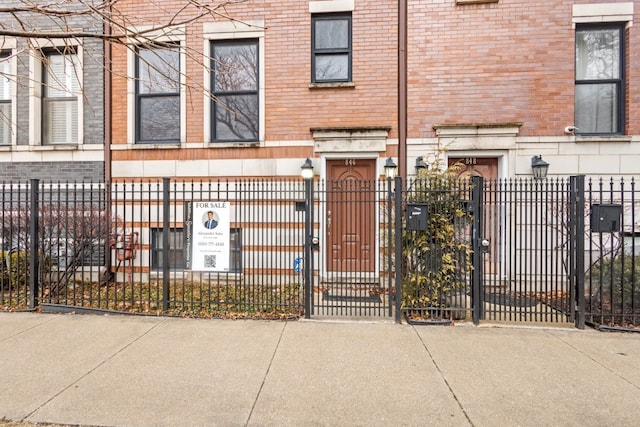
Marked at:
<point>36,45</point>
<point>326,6</point>
<point>233,30</point>
<point>10,44</point>
<point>602,12</point>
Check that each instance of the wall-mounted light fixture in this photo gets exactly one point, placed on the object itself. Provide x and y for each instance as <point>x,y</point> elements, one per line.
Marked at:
<point>539,167</point>
<point>421,164</point>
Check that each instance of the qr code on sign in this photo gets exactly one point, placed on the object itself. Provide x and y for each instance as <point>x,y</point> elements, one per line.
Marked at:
<point>209,261</point>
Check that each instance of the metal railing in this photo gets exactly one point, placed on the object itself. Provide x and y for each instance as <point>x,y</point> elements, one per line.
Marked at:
<point>556,250</point>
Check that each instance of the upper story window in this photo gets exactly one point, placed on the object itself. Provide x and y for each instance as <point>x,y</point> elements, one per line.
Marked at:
<point>5,98</point>
<point>234,88</point>
<point>331,48</point>
<point>60,89</point>
<point>158,94</point>
<point>599,92</point>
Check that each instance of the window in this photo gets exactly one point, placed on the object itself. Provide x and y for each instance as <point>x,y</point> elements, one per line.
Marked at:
<point>235,103</point>
<point>60,89</point>
<point>158,94</point>
<point>331,48</point>
<point>176,253</point>
<point>599,96</point>
<point>5,98</point>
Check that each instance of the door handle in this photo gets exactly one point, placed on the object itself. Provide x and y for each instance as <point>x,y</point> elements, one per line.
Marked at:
<point>328,222</point>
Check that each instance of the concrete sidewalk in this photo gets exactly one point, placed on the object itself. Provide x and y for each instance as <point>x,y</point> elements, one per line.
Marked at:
<point>138,371</point>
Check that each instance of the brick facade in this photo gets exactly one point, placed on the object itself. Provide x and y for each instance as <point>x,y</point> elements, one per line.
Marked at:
<point>497,78</point>
<point>510,61</point>
<point>292,107</point>
<point>27,159</point>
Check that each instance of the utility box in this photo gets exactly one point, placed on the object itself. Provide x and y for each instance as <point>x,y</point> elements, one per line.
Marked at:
<point>605,218</point>
<point>417,216</point>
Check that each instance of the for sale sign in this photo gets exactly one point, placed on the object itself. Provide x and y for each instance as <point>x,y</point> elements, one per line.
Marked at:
<point>210,236</point>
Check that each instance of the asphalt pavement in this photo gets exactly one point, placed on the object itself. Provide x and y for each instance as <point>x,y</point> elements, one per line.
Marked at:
<point>110,370</point>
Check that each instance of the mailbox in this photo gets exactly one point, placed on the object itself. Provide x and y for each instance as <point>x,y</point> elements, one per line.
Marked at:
<point>605,218</point>
<point>417,216</point>
<point>301,205</point>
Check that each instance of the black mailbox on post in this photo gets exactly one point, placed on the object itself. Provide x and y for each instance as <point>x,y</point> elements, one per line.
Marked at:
<point>417,216</point>
<point>605,218</point>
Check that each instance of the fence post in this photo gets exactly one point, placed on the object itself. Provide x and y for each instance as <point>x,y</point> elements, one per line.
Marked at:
<point>166,242</point>
<point>477,304</point>
<point>576,251</point>
<point>308,252</point>
<point>34,250</point>
<point>398,194</point>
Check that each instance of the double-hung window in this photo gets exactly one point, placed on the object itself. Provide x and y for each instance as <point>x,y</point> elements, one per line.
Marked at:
<point>61,73</point>
<point>158,94</point>
<point>331,48</point>
<point>234,86</point>
<point>599,92</point>
<point>5,98</point>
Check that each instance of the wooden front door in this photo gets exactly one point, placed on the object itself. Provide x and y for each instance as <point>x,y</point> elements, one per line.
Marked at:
<point>350,215</point>
<point>487,168</point>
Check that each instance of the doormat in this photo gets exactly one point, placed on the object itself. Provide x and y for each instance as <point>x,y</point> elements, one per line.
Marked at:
<point>375,298</point>
<point>510,299</point>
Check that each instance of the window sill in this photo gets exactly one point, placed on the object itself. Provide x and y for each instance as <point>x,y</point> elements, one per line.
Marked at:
<point>252,144</point>
<point>58,147</point>
<point>608,138</point>
<point>332,85</point>
<point>147,146</point>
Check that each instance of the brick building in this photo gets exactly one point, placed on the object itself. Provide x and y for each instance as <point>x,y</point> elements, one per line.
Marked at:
<point>311,79</point>
<point>51,96</point>
<point>497,82</point>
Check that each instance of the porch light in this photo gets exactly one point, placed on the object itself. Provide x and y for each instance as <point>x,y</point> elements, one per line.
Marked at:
<point>307,169</point>
<point>421,164</point>
<point>539,167</point>
<point>390,168</point>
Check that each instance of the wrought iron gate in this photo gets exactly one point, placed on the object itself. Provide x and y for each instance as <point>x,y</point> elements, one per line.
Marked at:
<point>351,245</point>
<point>443,249</point>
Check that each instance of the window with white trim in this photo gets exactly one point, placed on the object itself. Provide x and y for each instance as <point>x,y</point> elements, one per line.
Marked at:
<point>331,48</point>
<point>60,89</point>
<point>599,92</point>
<point>6,86</point>
<point>157,91</point>
<point>235,102</point>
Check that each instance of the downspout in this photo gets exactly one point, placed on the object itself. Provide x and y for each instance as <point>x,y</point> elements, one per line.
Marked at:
<point>107,142</point>
<point>107,98</point>
<point>402,89</point>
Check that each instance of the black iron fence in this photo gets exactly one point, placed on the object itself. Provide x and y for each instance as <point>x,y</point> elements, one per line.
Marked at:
<point>128,247</point>
<point>612,253</point>
<point>431,249</point>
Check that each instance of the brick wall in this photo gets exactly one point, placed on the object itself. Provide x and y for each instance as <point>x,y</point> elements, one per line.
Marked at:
<point>292,108</point>
<point>511,61</point>
<point>54,171</point>
<point>50,164</point>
